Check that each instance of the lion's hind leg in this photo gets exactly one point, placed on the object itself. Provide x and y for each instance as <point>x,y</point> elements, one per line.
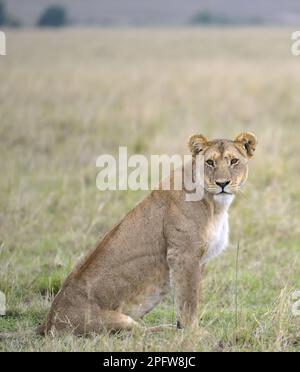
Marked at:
<point>115,321</point>
<point>91,320</point>
<point>99,320</point>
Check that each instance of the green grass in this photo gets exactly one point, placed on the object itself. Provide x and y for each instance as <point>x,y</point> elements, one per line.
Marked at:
<point>68,96</point>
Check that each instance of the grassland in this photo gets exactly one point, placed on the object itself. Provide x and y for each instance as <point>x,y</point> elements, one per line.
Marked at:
<point>68,96</point>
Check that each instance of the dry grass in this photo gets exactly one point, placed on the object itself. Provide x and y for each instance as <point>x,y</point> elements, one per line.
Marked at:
<point>68,96</point>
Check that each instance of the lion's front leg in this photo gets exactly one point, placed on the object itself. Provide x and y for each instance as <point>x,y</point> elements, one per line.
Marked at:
<point>185,275</point>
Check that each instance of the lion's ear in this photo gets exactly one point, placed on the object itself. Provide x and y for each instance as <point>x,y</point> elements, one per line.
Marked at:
<point>197,143</point>
<point>248,142</point>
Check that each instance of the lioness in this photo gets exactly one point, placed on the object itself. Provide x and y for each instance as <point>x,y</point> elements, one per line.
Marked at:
<point>163,243</point>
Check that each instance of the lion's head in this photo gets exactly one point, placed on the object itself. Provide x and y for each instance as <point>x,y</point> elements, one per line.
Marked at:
<point>226,161</point>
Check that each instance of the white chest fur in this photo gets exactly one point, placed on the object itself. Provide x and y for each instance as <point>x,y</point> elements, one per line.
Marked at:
<point>218,233</point>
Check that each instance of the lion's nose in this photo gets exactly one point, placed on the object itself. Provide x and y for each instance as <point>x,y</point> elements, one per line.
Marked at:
<point>223,184</point>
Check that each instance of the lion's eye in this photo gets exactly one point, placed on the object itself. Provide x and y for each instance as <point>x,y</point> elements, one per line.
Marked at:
<point>210,162</point>
<point>234,161</point>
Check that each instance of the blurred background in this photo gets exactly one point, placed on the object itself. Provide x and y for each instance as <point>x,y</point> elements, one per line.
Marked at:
<point>82,78</point>
<point>149,13</point>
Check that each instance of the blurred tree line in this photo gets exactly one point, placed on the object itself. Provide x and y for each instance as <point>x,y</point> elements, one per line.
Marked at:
<point>56,16</point>
<point>7,19</point>
<point>52,16</point>
<point>207,18</point>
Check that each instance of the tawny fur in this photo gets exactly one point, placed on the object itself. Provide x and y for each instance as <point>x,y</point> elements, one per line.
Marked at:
<point>163,243</point>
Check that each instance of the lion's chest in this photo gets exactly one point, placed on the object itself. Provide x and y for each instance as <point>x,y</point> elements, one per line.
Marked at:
<point>218,237</point>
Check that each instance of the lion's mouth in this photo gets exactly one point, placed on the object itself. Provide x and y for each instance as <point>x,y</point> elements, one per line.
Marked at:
<point>225,192</point>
